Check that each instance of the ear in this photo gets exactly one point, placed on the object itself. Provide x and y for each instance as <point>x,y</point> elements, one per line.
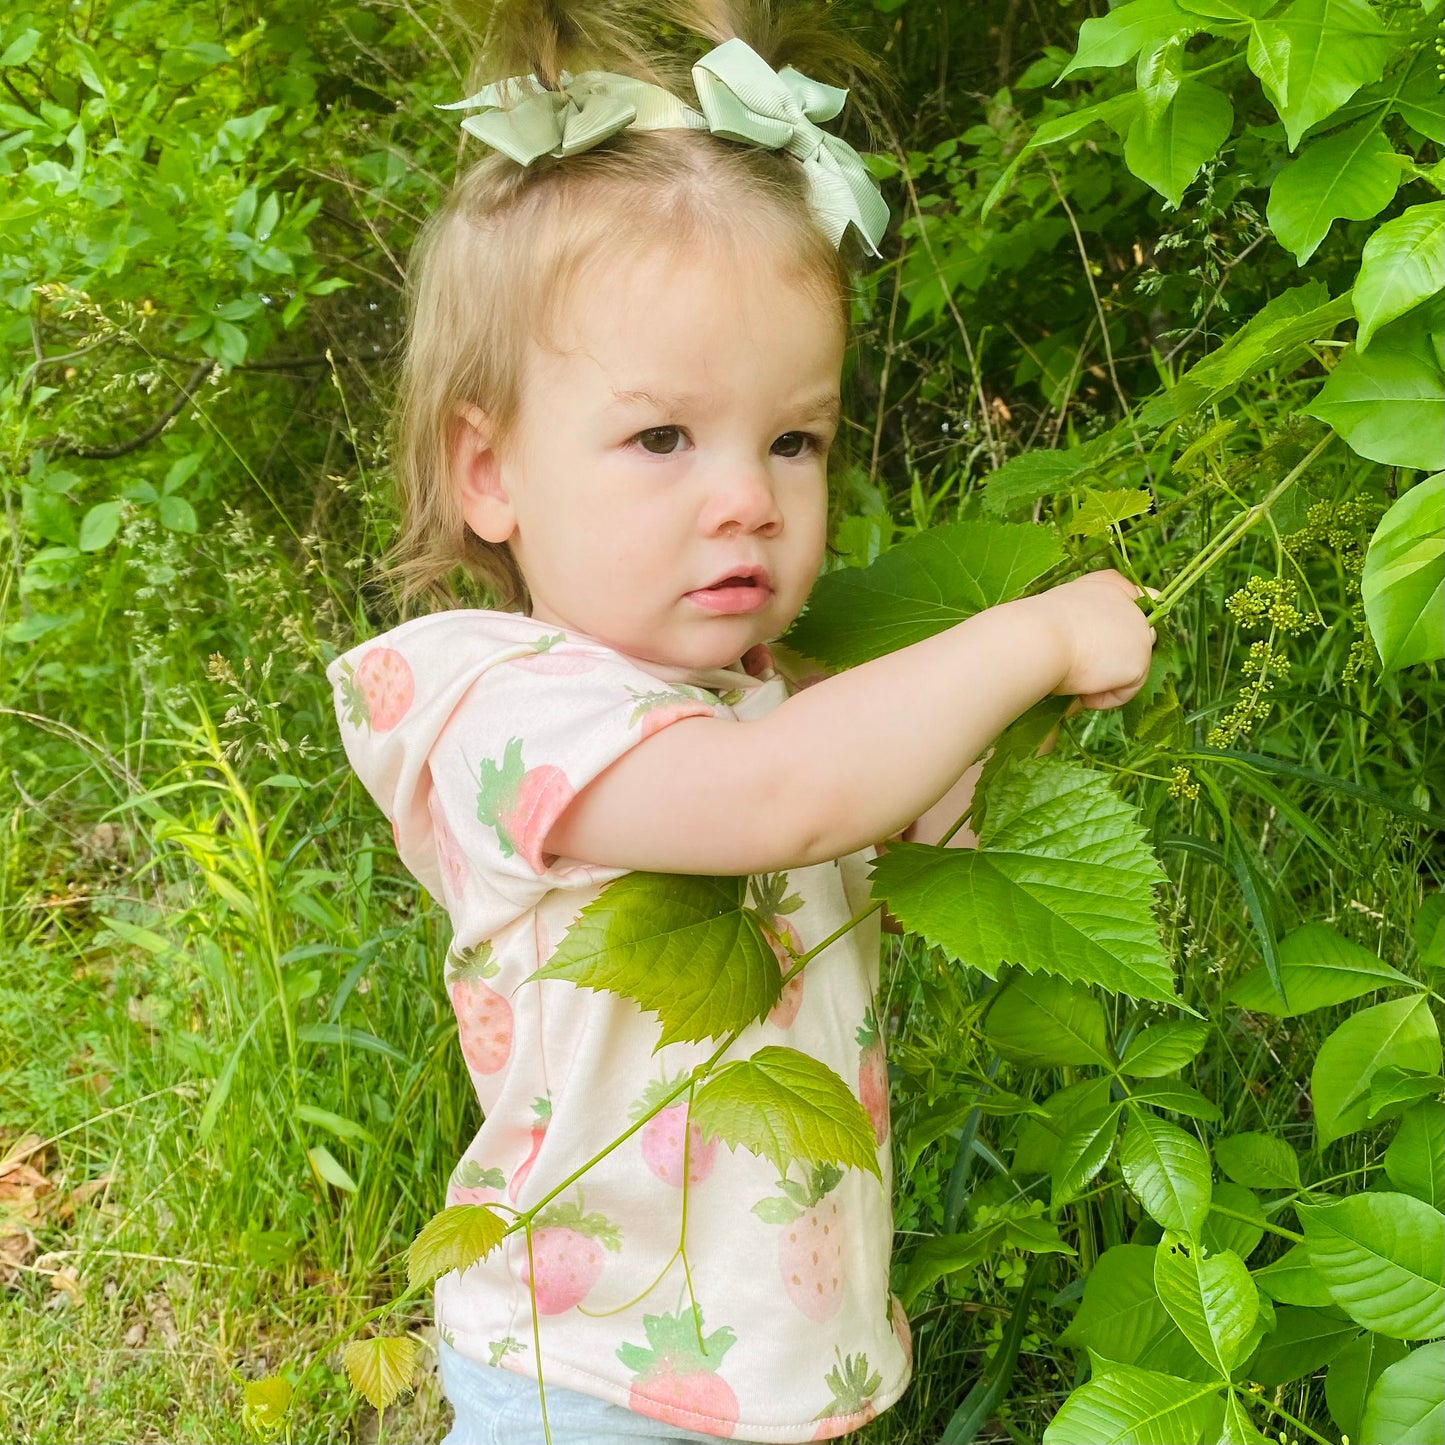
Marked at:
<point>477,475</point>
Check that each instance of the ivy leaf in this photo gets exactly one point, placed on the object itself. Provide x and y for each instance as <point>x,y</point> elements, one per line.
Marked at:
<point>1386,404</point>
<point>1352,1375</point>
<point>1407,1404</point>
<point>1402,1032</point>
<point>1382,1257</point>
<point>683,946</point>
<point>1211,1298</point>
<point>1318,967</point>
<point>1403,584</point>
<point>1163,1049</point>
<point>457,1238</point>
<point>1168,152</point>
<point>1140,1406</point>
<point>1258,1161</point>
<point>920,587</point>
<point>1101,510</point>
<point>1353,175</point>
<point>1402,264</point>
<point>1116,38</point>
<point>1061,883</point>
<point>381,1368</point>
<point>1415,1160</point>
<point>1168,1171</point>
<point>1314,56</point>
<point>786,1106</point>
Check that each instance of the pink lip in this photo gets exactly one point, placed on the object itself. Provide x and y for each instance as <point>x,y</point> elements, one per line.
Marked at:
<point>733,599</point>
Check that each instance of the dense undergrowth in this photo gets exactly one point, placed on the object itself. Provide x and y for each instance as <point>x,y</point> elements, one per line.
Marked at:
<point>229,1087</point>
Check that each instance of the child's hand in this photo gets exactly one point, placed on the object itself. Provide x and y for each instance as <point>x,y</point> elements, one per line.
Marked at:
<point>1107,641</point>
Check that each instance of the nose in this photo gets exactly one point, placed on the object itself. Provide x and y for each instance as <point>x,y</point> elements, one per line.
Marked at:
<point>743,497</point>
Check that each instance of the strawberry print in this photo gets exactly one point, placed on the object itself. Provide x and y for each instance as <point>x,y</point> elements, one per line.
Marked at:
<point>904,1331</point>
<point>567,1256</point>
<point>656,710</point>
<point>498,1350</point>
<point>852,1404</point>
<point>873,1076</point>
<point>379,691</point>
<point>471,1184</point>
<point>521,803</point>
<point>545,657</point>
<point>450,858</point>
<point>668,1135</point>
<point>676,1379</point>
<point>542,1115</point>
<point>810,1251</point>
<point>484,1017</point>
<point>771,901</point>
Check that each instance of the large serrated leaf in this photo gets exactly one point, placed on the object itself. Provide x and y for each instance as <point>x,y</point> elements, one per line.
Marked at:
<point>1407,1404</point>
<point>920,587</point>
<point>457,1238</point>
<point>1403,584</point>
<point>786,1106</point>
<point>1062,882</point>
<point>1168,1170</point>
<point>1024,479</point>
<point>683,946</point>
<point>1211,1298</point>
<point>1401,1032</point>
<point>382,1368</point>
<point>1136,1406</point>
<point>1318,967</point>
<point>1382,1257</point>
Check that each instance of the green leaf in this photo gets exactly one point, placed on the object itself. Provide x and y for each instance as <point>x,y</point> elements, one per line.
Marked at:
<point>1415,1160</point>
<point>1318,967</point>
<point>1314,56</point>
<point>1211,1298</point>
<point>381,1368</point>
<point>1135,1406</point>
<point>1273,338</point>
<point>922,586</point>
<point>1383,1257</point>
<point>1261,1161</point>
<point>1163,1049</point>
<point>1175,1098</point>
<point>342,1127</point>
<point>1403,584</point>
<point>1293,1280</point>
<point>1168,1171</point>
<point>1113,112</point>
<point>684,947</point>
<point>1043,1020</point>
<point>1228,1231</point>
<point>1116,38</point>
<point>786,1106</point>
<point>1393,1090</point>
<point>1038,1139</point>
<point>1063,882</point>
<point>21,48</point>
<point>1023,479</point>
<point>1302,1342</point>
<point>176,514</point>
<point>1402,1032</point>
<point>1352,175</point>
<point>1403,264</point>
<point>1407,1404</point>
<point>1238,1428</point>
<point>328,1169</point>
<point>1101,510</point>
<point>939,1255</point>
<point>1121,1314</point>
<point>1082,1152</point>
<point>1352,1375</point>
<point>1167,153</point>
<point>1386,404</point>
<point>457,1238</point>
<point>99,527</point>
<point>266,1403</point>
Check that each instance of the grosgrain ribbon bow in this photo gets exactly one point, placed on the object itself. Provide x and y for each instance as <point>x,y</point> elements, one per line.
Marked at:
<point>745,99</point>
<point>524,120</point>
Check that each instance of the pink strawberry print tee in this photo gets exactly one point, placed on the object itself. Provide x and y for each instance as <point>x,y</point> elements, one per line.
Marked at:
<point>473,730</point>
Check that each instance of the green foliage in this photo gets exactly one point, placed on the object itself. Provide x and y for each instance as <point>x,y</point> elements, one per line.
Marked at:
<point>457,1238</point>
<point>381,1368</point>
<point>1403,585</point>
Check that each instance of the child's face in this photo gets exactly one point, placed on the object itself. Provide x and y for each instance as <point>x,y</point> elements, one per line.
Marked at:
<point>679,435</point>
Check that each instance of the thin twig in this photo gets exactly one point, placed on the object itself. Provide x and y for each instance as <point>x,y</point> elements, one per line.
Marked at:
<point>199,373</point>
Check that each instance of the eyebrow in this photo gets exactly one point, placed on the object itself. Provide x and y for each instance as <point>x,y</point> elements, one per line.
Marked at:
<point>825,407</point>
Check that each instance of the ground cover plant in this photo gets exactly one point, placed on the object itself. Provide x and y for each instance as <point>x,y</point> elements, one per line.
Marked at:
<point>1163,294</point>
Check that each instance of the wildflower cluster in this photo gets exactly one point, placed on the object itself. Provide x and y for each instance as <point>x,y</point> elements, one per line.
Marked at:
<point>1270,602</point>
<point>1264,665</point>
<point>1341,528</point>
<point>1182,785</point>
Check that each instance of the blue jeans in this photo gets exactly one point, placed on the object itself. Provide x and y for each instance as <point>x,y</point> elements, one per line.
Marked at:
<point>495,1407</point>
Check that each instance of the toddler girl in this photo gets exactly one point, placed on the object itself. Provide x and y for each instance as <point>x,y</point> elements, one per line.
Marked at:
<point>621,387</point>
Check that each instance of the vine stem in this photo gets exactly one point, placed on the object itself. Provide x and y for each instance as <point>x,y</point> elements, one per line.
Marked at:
<point>1258,1223</point>
<point>1169,598</point>
<point>1298,1424</point>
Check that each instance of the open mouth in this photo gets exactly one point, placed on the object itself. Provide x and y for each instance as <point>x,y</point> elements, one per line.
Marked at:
<point>732,582</point>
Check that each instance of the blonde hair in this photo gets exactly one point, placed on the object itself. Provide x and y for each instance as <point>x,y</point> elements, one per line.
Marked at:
<point>492,266</point>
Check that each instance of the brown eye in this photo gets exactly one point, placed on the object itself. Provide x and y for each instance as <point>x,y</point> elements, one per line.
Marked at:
<point>795,444</point>
<point>661,441</point>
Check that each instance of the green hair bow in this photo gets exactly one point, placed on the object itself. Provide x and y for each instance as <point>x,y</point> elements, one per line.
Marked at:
<point>743,99</point>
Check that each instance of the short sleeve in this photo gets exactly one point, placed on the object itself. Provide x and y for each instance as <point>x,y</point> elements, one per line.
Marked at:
<point>527,736</point>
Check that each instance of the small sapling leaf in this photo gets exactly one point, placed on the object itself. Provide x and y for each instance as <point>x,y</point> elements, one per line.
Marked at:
<point>457,1238</point>
<point>381,1368</point>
